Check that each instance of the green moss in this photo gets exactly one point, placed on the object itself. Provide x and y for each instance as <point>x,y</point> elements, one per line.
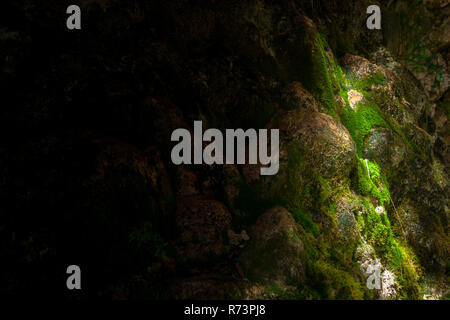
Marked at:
<point>360,220</point>
<point>377,230</point>
<point>402,261</point>
<point>331,271</point>
<point>297,186</point>
<point>360,122</point>
<point>322,76</point>
<point>317,73</point>
<point>338,80</point>
<point>397,257</point>
<point>304,219</point>
<point>344,95</point>
<point>275,290</point>
<point>334,283</point>
<point>376,185</point>
<point>365,84</point>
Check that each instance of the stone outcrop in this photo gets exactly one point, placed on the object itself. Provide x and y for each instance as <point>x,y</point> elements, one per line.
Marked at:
<point>274,253</point>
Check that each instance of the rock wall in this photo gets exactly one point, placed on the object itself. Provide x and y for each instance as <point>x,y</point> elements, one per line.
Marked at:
<point>86,174</point>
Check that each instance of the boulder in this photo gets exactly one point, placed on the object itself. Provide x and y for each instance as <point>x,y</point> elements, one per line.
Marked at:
<point>274,252</point>
<point>345,207</point>
<point>323,140</point>
<point>313,146</point>
<point>384,146</point>
<point>360,67</point>
<point>201,224</point>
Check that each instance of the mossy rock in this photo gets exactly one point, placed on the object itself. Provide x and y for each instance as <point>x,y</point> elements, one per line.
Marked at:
<point>316,152</point>
<point>274,252</point>
<point>322,140</point>
<point>345,207</point>
<point>385,147</point>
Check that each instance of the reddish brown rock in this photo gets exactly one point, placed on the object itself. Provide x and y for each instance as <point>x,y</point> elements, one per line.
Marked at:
<point>359,66</point>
